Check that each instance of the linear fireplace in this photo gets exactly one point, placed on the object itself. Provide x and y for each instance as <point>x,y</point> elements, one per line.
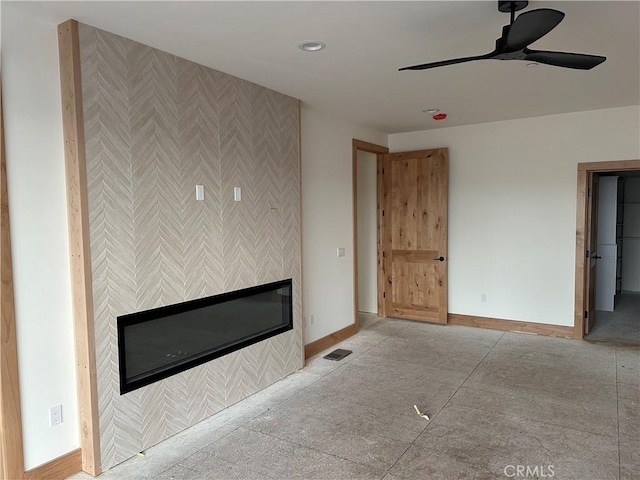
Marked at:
<point>155,344</point>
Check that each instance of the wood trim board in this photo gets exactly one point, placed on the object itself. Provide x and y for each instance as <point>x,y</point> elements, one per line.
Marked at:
<point>330,340</point>
<point>581,226</point>
<point>57,468</point>
<point>302,354</point>
<point>369,147</point>
<point>611,166</point>
<point>354,204</point>
<point>511,325</point>
<point>385,183</point>
<point>11,441</point>
<point>380,202</point>
<point>77,206</point>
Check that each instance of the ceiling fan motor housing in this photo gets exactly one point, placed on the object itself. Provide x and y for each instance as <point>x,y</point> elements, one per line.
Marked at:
<point>505,6</point>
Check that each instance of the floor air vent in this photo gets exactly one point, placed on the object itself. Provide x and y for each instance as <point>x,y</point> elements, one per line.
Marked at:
<point>337,354</point>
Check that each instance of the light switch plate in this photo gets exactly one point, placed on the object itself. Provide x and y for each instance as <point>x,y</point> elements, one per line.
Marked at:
<point>199,192</point>
<point>237,194</point>
<point>340,252</point>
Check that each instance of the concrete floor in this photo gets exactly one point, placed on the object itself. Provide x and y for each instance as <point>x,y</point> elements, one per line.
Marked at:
<point>567,409</point>
<point>622,326</point>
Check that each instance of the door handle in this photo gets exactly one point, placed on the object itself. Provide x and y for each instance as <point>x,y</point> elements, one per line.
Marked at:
<point>597,257</point>
<point>440,259</point>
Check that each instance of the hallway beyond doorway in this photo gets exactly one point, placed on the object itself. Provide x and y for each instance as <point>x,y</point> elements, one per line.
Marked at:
<point>620,327</point>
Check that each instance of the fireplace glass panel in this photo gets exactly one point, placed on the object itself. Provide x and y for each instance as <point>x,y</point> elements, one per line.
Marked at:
<point>158,343</point>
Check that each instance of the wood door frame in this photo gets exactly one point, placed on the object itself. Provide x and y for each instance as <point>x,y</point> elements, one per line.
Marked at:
<point>378,150</point>
<point>583,229</point>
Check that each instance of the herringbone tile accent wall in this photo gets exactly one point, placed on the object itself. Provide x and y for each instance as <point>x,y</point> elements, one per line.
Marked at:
<point>155,126</point>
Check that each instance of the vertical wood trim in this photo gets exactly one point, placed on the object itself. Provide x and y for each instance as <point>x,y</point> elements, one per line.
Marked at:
<point>444,292</point>
<point>77,209</point>
<point>386,230</point>
<point>302,322</point>
<point>380,234</point>
<point>354,206</point>
<point>11,446</point>
<point>580,277</point>
<point>591,245</point>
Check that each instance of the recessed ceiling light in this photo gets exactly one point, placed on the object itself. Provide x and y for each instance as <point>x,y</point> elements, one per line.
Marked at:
<point>532,64</point>
<point>311,46</point>
<point>431,111</point>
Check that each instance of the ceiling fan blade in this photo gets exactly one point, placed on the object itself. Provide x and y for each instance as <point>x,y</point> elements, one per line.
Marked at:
<point>562,59</point>
<point>442,63</point>
<point>531,26</point>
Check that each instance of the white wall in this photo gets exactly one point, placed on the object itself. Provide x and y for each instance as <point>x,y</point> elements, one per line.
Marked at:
<point>327,220</point>
<point>37,206</point>
<point>512,207</point>
<point>367,233</point>
<point>631,236</point>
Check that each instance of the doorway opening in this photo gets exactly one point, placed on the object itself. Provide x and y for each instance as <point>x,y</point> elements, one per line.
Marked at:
<point>366,162</point>
<point>618,251</point>
<point>607,294</point>
<point>411,233</point>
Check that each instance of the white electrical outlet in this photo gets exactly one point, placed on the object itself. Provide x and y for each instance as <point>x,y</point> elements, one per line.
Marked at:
<point>483,297</point>
<point>311,319</point>
<point>55,415</point>
<point>340,252</point>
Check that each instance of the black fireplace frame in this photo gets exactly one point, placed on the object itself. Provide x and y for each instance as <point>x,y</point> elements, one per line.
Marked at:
<point>156,313</point>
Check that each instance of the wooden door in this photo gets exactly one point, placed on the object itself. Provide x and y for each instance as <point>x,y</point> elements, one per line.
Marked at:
<point>592,250</point>
<point>415,234</point>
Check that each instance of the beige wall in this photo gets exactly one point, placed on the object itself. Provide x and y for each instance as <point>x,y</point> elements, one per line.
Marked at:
<point>367,233</point>
<point>512,207</point>
<point>39,240</point>
<point>155,127</point>
<point>327,218</point>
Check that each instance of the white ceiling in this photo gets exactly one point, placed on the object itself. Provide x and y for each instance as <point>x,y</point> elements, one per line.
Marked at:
<point>356,76</point>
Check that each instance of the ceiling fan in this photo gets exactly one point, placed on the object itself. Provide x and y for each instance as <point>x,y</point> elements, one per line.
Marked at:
<point>519,34</point>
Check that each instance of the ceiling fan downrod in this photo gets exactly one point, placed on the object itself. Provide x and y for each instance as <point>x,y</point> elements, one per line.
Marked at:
<point>511,7</point>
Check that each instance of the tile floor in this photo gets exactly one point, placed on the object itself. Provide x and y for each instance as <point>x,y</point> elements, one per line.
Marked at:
<point>566,409</point>
<point>622,326</point>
